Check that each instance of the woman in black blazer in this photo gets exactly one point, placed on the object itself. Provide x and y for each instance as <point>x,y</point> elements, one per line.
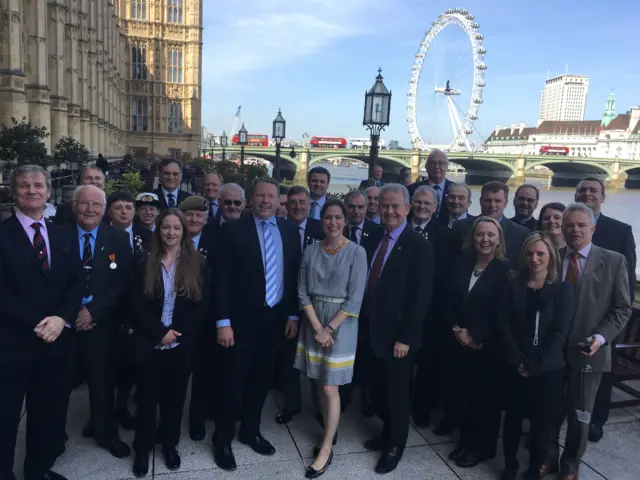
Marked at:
<point>169,297</point>
<point>535,324</point>
<point>478,281</point>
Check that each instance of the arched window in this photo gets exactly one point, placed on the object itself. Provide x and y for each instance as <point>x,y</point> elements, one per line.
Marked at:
<point>174,11</point>
<point>139,62</point>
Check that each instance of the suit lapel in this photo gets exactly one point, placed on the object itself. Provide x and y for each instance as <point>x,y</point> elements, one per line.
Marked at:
<point>21,240</point>
<point>593,260</point>
<point>395,256</point>
<point>254,241</point>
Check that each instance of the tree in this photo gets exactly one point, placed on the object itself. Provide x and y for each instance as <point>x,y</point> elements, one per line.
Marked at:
<point>22,144</point>
<point>70,150</point>
<point>129,181</point>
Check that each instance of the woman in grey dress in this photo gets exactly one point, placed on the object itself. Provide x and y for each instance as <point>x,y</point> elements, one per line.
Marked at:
<point>330,289</point>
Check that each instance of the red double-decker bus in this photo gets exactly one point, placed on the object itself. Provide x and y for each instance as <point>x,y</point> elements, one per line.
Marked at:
<point>553,150</point>
<point>328,142</point>
<point>253,140</point>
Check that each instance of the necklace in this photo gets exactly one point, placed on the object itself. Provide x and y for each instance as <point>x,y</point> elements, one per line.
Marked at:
<point>477,272</point>
<point>334,250</point>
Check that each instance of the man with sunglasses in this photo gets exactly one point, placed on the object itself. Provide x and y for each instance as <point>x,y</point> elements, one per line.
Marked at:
<point>231,203</point>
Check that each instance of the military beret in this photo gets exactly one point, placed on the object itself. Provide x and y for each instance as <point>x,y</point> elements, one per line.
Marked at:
<point>194,203</point>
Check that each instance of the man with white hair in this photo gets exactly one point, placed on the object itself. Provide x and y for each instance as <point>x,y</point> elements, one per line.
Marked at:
<point>232,202</point>
<point>603,308</point>
<point>40,290</point>
<point>436,165</point>
<point>91,175</point>
<point>106,256</point>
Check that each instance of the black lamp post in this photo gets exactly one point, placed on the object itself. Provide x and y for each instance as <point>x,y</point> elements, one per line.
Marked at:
<point>242,141</point>
<point>377,104</point>
<point>223,144</point>
<point>279,132</point>
<point>212,144</point>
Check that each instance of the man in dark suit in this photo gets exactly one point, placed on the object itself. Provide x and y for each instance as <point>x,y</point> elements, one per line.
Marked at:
<point>603,304</point>
<point>402,263</point>
<point>89,176</point>
<point>255,302</point>
<point>525,202</point>
<point>169,192</point>
<point>616,236</point>
<point>358,226</point>
<point>436,165</point>
<point>288,377</point>
<point>212,184</point>
<point>493,201</point>
<point>106,255</point>
<point>40,292</point>
<point>457,203</point>
<point>375,181</point>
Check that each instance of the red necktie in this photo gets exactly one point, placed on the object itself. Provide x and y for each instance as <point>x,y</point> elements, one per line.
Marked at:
<point>573,269</point>
<point>41,247</point>
<point>376,270</point>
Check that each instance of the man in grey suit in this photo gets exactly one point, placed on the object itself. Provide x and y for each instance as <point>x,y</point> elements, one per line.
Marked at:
<point>603,307</point>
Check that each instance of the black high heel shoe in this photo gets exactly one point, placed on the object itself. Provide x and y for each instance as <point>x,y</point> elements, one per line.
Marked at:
<point>313,473</point>
<point>316,449</point>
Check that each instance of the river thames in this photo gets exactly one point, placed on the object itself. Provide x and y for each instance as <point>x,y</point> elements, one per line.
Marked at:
<point>621,204</point>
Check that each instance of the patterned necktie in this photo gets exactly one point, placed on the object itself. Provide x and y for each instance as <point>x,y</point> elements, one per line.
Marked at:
<point>41,247</point>
<point>437,189</point>
<point>270,273</point>
<point>354,234</point>
<point>573,269</point>
<point>374,275</point>
<point>212,210</point>
<point>87,263</point>
<point>172,201</point>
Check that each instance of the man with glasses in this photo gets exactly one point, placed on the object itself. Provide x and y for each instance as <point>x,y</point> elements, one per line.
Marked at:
<point>169,193</point>
<point>525,203</point>
<point>106,256</point>
<point>436,165</point>
<point>89,176</point>
<point>232,202</point>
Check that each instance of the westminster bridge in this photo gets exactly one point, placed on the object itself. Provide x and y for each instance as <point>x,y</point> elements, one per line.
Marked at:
<point>480,167</point>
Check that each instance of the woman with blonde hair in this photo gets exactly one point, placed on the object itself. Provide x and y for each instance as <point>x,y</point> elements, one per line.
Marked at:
<point>478,280</point>
<point>535,321</point>
<point>169,297</point>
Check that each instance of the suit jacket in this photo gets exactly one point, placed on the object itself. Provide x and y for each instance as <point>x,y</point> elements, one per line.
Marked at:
<point>617,236</point>
<point>188,315</point>
<point>603,306</point>
<point>477,310</point>
<point>65,216</point>
<point>28,295</point>
<point>403,292</point>
<point>207,244</point>
<point>364,184</point>
<point>443,213</point>
<point>163,201</point>
<point>141,242</point>
<point>531,224</point>
<point>518,331</point>
<point>367,227</point>
<point>313,232</point>
<point>239,284</point>
<point>107,284</point>
<point>514,236</point>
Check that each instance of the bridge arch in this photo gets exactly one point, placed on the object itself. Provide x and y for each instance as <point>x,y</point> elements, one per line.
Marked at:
<point>486,163</point>
<point>364,156</point>
<point>572,167</point>
<point>633,176</point>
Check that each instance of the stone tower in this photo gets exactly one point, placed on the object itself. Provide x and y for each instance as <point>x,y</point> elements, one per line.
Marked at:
<point>610,112</point>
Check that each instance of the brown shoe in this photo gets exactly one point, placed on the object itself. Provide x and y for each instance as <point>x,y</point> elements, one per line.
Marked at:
<point>569,476</point>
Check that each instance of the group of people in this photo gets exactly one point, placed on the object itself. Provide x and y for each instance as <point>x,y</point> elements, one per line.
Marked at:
<point>395,289</point>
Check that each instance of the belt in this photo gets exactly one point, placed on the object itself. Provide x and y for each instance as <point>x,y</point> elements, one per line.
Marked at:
<point>322,298</point>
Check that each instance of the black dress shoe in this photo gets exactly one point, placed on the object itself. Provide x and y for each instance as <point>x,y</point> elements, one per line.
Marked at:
<point>171,458</point>
<point>471,459</point>
<point>421,420</point>
<point>389,459</point>
<point>376,444</point>
<point>367,409</point>
<point>125,419</point>
<point>141,465</point>
<point>595,433</point>
<point>316,450</point>
<point>258,443</point>
<point>223,456</point>
<point>197,431</point>
<point>117,448</point>
<point>509,474</point>
<point>457,453</point>
<point>313,473</point>
<point>53,476</point>
<point>286,416</point>
<point>87,431</point>
<point>445,427</point>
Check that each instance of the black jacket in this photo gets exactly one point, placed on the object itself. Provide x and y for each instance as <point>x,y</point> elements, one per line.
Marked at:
<point>518,332</point>
<point>531,224</point>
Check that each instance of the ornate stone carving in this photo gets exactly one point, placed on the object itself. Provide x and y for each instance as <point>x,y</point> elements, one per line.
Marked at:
<point>16,17</point>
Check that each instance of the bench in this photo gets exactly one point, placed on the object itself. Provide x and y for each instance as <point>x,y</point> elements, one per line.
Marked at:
<point>626,361</point>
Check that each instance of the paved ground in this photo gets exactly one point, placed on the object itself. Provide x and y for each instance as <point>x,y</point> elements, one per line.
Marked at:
<point>614,458</point>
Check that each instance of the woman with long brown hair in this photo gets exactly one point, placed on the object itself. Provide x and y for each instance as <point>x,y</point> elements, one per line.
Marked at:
<point>169,295</point>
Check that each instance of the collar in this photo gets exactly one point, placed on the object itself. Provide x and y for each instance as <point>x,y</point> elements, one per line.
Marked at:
<point>584,253</point>
<point>129,229</point>
<point>395,233</point>
<point>303,225</point>
<point>596,217</point>
<point>212,200</point>
<point>26,222</point>
<point>82,231</point>
<point>422,226</point>
<point>271,221</point>
<point>196,239</point>
<point>360,225</point>
<point>320,201</point>
<point>173,192</point>
<point>441,184</point>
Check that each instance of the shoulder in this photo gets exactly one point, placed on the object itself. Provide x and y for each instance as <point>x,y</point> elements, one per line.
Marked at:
<point>612,223</point>
<point>608,256</point>
<point>515,228</point>
<point>287,226</point>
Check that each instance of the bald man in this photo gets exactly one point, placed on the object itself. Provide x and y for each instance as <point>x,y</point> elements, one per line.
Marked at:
<point>436,166</point>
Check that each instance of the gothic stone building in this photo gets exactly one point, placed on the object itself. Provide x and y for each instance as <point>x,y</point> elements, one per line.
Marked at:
<point>117,75</point>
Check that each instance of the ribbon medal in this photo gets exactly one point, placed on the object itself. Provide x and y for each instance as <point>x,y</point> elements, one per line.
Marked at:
<point>112,258</point>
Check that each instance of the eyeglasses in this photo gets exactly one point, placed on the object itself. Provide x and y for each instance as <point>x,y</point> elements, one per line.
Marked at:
<point>90,205</point>
<point>237,203</point>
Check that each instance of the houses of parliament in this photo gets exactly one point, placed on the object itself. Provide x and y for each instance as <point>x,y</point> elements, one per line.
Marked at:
<point>119,76</point>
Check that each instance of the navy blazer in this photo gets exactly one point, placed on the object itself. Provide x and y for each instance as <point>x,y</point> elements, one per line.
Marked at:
<point>28,295</point>
<point>182,194</point>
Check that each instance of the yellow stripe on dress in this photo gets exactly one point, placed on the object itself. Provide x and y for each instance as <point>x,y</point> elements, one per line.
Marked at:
<point>327,360</point>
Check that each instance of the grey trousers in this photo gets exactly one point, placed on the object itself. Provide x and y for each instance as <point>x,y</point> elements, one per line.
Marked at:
<point>582,388</point>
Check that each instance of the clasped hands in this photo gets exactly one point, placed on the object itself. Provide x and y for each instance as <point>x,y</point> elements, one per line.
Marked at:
<point>324,337</point>
<point>49,328</point>
<point>464,339</point>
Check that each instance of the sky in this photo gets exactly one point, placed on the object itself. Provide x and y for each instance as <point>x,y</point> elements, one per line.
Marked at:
<point>315,59</point>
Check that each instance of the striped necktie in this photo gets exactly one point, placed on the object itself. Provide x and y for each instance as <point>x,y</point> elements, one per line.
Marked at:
<point>41,247</point>
<point>270,273</point>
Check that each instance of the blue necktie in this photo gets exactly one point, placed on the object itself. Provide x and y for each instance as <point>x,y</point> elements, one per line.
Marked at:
<point>270,274</point>
<point>172,202</point>
<point>314,210</point>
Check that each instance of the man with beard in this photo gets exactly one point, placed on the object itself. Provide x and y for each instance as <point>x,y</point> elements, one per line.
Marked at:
<point>232,203</point>
<point>525,202</point>
<point>458,202</point>
<point>372,204</point>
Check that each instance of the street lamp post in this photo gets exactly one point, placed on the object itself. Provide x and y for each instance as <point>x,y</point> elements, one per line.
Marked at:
<point>242,141</point>
<point>279,133</point>
<point>223,144</point>
<point>377,104</point>
<point>212,145</point>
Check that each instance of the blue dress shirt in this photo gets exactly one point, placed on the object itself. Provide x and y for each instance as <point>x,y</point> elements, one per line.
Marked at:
<point>92,242</point>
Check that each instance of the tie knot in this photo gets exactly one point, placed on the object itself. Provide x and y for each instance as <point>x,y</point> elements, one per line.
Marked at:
<point>437,187</point>
<point>87,236</point>
<point>36,225</point>
<point>170,195</point>
<point>575,255</point>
